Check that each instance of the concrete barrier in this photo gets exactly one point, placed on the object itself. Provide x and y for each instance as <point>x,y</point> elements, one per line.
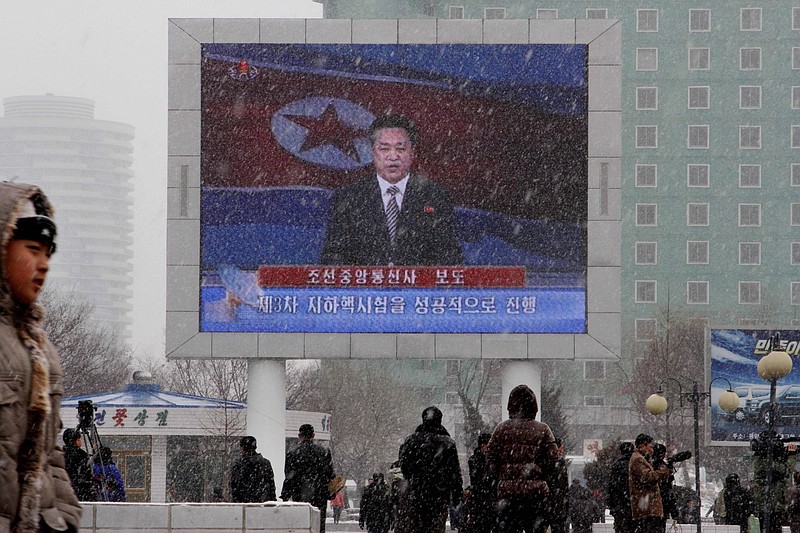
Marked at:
<point>199,517</point>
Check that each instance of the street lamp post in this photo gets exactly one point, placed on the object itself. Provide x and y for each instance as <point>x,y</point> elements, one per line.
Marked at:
<point>772,367</point>
<point>657,405</point>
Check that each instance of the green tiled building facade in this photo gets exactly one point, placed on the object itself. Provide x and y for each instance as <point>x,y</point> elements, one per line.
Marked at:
<point>710,163</point>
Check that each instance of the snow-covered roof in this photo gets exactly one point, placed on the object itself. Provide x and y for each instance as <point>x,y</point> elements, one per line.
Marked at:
<point>150,395</point>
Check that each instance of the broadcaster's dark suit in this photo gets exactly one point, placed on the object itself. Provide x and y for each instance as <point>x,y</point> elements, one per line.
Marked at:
<point>358,233</point>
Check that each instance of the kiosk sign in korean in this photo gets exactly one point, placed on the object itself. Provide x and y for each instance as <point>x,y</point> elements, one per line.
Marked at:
<point>394,188</point>
<point>734,355</point>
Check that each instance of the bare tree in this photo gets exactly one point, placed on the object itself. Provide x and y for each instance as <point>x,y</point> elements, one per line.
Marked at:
<point>675,352</point>
<point>474,381</point>
<point>93,357</point>
<point>371,411</point>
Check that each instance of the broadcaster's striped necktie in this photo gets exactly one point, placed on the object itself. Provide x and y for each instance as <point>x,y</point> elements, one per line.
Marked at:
<point>392,213</point>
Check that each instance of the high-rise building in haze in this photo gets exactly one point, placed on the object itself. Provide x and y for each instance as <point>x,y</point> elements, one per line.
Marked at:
<point>84,166</point>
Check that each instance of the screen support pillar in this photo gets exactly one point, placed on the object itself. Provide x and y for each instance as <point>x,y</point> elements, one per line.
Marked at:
<point>522,373</point>
<point>266,411</point>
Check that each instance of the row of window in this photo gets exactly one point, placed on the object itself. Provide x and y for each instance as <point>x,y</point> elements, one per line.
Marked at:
<point>699,214</point>
<point>698,175</point>
<point>698,136</point>
<point>700,58</point>
<point>699,97</point>
<point>697,292</point>
<point>646,327</point>
<point>750,18</point>
<point>697,253</point>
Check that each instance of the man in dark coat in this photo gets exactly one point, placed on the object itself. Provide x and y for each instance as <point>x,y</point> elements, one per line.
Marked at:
<point>481,515</point>
<point>429,462</point>
<point>619,497</point>
<point>557,504</point>
<point>308,471</point>
<point>665,485</point>
<point>738,503</point>
<point>393,216</point>
<point>376,506</point>
<point>78,466</point>
<point>252,478</point>
<point>521,456</point>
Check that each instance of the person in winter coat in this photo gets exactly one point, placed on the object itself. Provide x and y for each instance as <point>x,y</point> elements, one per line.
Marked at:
<point>583,508</point>
<point>647,511</point>
<point>35,491</point>
<point>665,485</point>
<point>521,456</point>
<point>252,478</point>
<point>308,471</point>
<point>376,506</point>
<point>109,479</point>
<point>337,504</point>
<point>480,509</point>
<point>429,462</point>
<point>557,504</point>
<point>619,498</point>
<point>738,503</point>
<point>78,466</point>
<point>793,504</point>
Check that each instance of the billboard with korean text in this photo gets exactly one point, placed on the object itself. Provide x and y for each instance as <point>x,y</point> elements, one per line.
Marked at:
<point>734,356</point>
<point>502,136</point>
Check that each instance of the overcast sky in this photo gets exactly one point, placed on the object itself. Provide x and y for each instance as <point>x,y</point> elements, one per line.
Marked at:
<point>115,52</point>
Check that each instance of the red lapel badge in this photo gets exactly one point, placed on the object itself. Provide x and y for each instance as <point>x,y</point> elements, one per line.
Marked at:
<point>428,209</point>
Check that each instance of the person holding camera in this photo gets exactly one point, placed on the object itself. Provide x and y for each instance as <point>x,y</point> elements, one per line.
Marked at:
<point>665,485</point>
<point>647,510</point>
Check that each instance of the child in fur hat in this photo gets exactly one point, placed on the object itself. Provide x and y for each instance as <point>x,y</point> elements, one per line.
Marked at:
<point>35,492</point>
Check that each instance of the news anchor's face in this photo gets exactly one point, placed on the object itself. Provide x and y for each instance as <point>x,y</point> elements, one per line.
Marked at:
<point>392,154</point>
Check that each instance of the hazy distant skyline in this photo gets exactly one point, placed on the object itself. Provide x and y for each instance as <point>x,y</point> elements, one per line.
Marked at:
<point>115,52</point>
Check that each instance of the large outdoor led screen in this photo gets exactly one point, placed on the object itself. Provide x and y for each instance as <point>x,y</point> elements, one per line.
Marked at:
<point>734,357</point>
<point>496,201</point>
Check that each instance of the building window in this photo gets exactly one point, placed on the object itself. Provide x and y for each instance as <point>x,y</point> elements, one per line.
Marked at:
<point>796,58</point>
<point>646,98</point>
<point>795,172</point>
<point>647,20</point>
<point>697,252</point>
<point>796,18</point>
<point>428,8</point>
<point>699,58</point>
<point>750,97</point>
<point>749,292</point>
<point>750,59</point>
<point>646,214</point>
<point>645,329</point>
<point>647,59</point>
<point>795,136</point>
<point>795,214</point>
<point>750,322</point>
<point>697,136</point>
<point>750,19</point>
<point>456,12</point>
<point>547,14</point>
<point>494,13</point>
<point>749,253</point>
<point>646,136</point>
<point>749,137</point>
<point>794,252</point>
<point>594,401</point>
<point>697,175</point>
<point>699,20</point>
<point>699,97</point>
<point>795,290</point>
<point>451,398</point>
<point>593,13</point>
<point>749,176</point>
<point>646,253</point>
<point>749,215</point>
<point>594,370</point>
<point>697,214</point>
<point>453,368</point>
<point>646,175</point>
<point>645,292</point>
<point>796,97</point>
<point>696,292</point>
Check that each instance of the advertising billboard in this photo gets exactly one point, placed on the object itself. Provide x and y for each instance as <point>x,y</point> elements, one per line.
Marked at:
<point>494,209</point>
<point>734,356</point>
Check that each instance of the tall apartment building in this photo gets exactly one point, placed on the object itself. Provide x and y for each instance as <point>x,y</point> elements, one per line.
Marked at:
<point>84,166</point>
<point>710,162</point>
